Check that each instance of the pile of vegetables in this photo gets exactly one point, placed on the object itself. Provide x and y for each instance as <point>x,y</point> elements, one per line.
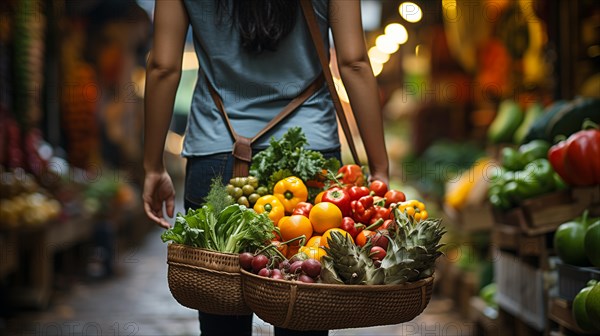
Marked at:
<point>220,225</point>
<point>313,224</point>
<point>525,173</point>
<point>514,124</point>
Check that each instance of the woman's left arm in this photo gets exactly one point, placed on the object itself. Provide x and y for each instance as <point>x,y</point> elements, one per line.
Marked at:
<point>360,83</point>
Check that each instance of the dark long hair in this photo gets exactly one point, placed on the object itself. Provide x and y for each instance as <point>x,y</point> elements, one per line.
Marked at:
<point>262,24</point>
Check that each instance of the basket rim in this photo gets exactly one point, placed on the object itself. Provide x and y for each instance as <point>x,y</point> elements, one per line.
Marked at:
<point>344,287</point>
<point>183,246</point>
<point>194,267</point>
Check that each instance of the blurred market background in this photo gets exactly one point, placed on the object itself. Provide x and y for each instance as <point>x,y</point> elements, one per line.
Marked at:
<point>459,80</point>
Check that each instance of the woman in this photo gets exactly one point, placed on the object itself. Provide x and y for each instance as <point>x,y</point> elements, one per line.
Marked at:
<point>257,56</point>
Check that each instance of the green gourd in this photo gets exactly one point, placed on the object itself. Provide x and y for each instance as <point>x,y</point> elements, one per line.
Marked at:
<point>534,112</point>
<point>505,124</point>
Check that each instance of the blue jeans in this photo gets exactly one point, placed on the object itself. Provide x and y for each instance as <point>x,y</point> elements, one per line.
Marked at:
<point>199,173</point>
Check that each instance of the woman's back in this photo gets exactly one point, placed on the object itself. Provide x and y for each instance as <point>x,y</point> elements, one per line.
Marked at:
<point>255,87</point>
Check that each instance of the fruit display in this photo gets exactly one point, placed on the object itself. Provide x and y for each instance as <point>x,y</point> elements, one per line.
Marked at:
<point>24,202</point>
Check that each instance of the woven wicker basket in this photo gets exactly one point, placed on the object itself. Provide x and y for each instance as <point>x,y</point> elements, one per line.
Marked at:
<point>303,306</point>
<point>206,280</point>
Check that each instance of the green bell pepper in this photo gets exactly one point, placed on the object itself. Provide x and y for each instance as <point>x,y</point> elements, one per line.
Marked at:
<point>511,159</point>
<point>536,149</point>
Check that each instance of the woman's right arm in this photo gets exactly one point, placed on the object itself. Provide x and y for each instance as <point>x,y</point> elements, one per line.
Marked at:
<point>162,78</point>
<point>361,86</point>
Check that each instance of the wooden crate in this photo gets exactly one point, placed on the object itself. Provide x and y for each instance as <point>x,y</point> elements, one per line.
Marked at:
<point>542,214</point>
<point>535,249</point>
<point>545,213</point>
<point>559,312</point>
<point>521,289</point>
<point>471,218</point>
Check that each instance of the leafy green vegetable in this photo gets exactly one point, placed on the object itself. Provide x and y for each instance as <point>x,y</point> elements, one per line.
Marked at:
<point>233,230</point>
<point>217,196</point>
<point>288,155</point>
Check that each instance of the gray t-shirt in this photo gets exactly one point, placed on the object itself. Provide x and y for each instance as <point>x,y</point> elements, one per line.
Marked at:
<point>255,88</point>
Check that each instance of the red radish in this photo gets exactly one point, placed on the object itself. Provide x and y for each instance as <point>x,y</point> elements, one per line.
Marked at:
<point>311,267</point>
<point>284,265</point>
<point>246,261</point>
<point>259,262</point>
<point>276,274</point>
<point>306,278</point>
<point>377,253</point>
<point>380,239</point>
<point>296,267</point>
<point>265,272</point>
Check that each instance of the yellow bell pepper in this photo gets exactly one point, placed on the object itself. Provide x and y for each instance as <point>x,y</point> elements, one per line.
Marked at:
<point>272,206</point>
<point>414,209</point>
<point>313,252</point>
<point>290,191</point>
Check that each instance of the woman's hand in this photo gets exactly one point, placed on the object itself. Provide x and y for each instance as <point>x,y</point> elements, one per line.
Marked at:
<point>158,189</point>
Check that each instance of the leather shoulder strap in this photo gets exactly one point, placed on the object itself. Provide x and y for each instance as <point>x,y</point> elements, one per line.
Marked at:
<point>242,146</point>
<point>313,27</point>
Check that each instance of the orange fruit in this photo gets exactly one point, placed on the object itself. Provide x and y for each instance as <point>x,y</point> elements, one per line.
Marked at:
<point>363,236</point>
<point>319,197</point>
<point>313,252</point>
<point>327,234</point>
<point>325,216</point>
<point>295,226</point>
<point>284,218</point>
<point>314,241</point>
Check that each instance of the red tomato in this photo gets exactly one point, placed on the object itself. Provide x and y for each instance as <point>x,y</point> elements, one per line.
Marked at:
<point>379,188</point>
<point>302,208</point>
<point>351,174</point>
<point>339,197</point>
<point>363,237</point>
<point>394,196</point>
<point>356,192</point>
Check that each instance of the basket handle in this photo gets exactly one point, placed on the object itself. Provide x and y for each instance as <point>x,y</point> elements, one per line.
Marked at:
<point>290,310</point>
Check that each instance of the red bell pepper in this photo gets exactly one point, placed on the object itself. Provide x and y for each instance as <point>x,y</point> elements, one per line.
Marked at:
<point>357,192</point>
<point>350,226</point>
<point>380,213</point>
<point>302,208</point>
<point>339,197</point>
<point>362,209</point>
<point>577,159</point>
<point>351,174</point>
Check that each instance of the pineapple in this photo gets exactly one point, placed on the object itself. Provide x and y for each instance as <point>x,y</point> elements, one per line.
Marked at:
<point>349,263</point>
<point>413,250</point>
